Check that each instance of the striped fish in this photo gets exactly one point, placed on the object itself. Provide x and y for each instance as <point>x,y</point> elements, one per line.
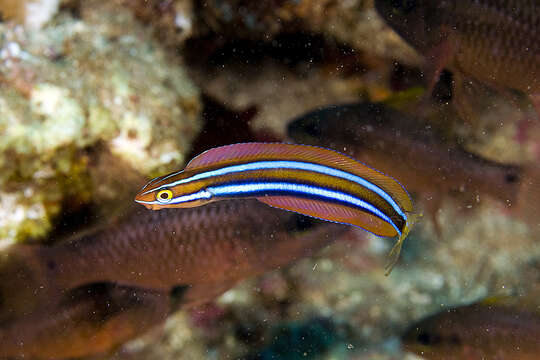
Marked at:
<point>309,180</point>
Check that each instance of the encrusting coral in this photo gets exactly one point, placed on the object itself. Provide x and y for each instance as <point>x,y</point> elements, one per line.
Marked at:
<point>79,82</point>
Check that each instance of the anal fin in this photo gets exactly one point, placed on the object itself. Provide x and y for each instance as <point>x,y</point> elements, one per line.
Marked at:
<point>331,212</point>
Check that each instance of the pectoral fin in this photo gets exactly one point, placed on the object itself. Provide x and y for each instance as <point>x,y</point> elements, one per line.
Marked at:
<point>438,58</point>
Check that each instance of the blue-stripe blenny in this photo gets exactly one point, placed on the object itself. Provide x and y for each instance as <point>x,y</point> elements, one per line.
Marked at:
<point>309,180</point>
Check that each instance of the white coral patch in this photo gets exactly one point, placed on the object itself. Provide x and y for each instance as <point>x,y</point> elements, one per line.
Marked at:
<point>64,118</point>
<point>38,13</point>
<point>134,138</point>
<point>13,212</point>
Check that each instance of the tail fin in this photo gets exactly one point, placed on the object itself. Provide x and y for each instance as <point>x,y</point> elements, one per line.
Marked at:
<point>393,256</point>
<point>528,199</point>
<point>24,283</point>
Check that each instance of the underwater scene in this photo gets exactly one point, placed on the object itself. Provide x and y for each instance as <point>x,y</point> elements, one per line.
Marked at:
<point>275,179</point>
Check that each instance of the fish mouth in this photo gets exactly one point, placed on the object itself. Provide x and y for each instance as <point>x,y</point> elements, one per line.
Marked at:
<point>147,204</point>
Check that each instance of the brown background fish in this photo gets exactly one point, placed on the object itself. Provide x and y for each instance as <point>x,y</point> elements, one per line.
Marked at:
<point>425,161</point>
<point>90,320</point>
<point>477,332</point>
<point>205,250</point>
<point>493,41</point>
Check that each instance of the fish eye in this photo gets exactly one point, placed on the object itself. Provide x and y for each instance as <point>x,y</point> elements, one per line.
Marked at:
<point>426,338</point>
<point>403,6</point>
<point>164,196</point>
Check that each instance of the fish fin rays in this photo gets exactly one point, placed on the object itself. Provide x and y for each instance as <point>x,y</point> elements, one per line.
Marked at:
<point>224,155</point>
<point>393,256</point>
<point>331,212</point>
<point>231,154</point>
<point>438,57</point>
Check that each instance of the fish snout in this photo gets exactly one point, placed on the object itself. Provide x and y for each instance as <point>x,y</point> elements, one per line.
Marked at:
<point>146,199</point>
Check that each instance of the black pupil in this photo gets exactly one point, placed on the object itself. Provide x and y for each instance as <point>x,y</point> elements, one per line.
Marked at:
<point>164,195</point>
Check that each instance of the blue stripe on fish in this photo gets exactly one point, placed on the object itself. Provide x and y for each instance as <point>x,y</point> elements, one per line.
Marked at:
<point>280,188</point>
<point>295,165</point>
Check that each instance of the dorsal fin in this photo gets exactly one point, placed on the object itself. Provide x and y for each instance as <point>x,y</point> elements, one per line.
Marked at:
<point>247,152</point>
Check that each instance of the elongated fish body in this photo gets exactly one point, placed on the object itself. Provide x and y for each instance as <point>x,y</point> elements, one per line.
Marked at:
<point>476,332</point>
<point>207,248</point>
<point>309,180</point>
<point>93,320</point>
<point>493,41</point>
<point>425,162</point>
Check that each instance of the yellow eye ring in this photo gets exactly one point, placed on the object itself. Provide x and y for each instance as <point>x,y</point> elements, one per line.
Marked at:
<point>164,196</point>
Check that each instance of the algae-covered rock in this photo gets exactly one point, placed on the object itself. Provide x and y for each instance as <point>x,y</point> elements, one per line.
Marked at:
<point>357,24</point>
<point>352,22</point>
<point>173,20</point>
<point>79,82</point>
